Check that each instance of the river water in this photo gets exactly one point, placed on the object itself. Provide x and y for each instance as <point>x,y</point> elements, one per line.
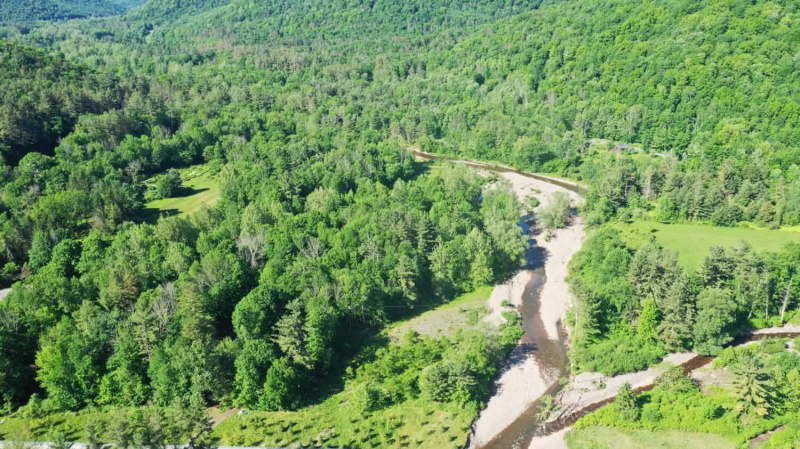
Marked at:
<point>549,355</point>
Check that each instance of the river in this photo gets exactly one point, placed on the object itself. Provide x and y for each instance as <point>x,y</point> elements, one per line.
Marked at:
<point>541,352</point>
<point>540,359</point>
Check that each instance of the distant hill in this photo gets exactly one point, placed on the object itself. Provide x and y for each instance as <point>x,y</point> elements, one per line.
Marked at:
<point>156,10</point>
<point>258,21</point>
<point>20,11</point>
<point>128,4</point>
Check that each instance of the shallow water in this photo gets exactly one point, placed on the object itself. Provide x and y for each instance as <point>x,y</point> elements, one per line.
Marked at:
<point>549,355</point>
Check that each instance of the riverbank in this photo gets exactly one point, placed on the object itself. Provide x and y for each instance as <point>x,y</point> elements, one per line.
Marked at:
<point>543,296</point>
<point>528,374</point>
<point>589,391</point>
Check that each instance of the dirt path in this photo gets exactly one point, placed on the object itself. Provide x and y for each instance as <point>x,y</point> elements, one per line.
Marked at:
<point>218,415</point>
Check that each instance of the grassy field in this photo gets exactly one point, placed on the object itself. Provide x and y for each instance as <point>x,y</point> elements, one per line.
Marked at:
<point>612,438</point>
<point>201,189</point>
<point>38,429</point>
<point>447,318</point>
<point>335,423</point>
<point>693,241</point>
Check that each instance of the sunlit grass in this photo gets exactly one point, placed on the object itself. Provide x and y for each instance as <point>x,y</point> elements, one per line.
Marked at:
<point>204,192</point>
<point>614,438</point>
<point>693,241</point>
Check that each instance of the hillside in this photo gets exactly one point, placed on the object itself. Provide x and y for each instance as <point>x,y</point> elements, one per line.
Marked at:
<point>266,20</point>
<point>212,202</point>
<point>21,11</point>
<point>128,4</point>
<point>42,97</point>
<point>531,89</point>
<point>160,10</point>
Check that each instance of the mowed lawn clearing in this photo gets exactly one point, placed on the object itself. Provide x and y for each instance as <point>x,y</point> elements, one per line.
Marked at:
<point>693,241</point>
<point>613,438</point>
<point>201,189</point>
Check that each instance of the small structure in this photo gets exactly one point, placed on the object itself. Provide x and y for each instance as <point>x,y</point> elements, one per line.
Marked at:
<point>620,148</point>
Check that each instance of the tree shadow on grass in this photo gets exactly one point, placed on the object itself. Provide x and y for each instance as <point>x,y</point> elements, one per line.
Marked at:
<point>359,346</point>
<point>152,214</point>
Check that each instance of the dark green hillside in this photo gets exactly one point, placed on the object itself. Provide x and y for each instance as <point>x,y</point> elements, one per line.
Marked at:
<point>42,97</point>
<point>128,4</point>
<point>159,10</point>
<point>332,22</point>
<point>20,11</point>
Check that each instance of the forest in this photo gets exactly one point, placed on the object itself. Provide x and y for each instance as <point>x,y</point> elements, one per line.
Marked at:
<point>27,12</point>
<point>324,230</point>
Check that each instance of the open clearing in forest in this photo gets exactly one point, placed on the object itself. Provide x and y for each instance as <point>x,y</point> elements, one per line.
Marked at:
<point>613,438</point>
<point>337,422</point>
<point>446,318</point>
<point>693,241</point>
<point>201,189</point>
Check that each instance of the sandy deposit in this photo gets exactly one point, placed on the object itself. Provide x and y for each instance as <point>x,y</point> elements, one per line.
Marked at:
<point>587,389</point>
<point>553,441</point>
<point>522,381</point>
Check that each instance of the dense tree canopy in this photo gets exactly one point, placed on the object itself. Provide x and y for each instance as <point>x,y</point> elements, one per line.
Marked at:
<point>326,229</point>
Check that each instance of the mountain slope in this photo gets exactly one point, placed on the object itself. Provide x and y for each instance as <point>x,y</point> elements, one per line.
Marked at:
<point>43,96</point>
<point>261,20</point>
<point>159,10</point>
<point>129,4</point>
<point>28,11</point>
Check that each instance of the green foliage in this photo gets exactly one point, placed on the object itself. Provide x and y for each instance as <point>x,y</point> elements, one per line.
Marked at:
<point>282,386</point>
<point>753,387</point>
<point>621,352</point>
<point>715,318</point>
<point>321,229</point>
<point>191,424</point>
<point>17,11</point>
<point>648,320</point>
<point>71,359</point>
<point>754,403</point>
<point>625,403</point>
<point>785,438</point>
<point>557,213</point>
<point>165,186</point>
<point>673,379</point>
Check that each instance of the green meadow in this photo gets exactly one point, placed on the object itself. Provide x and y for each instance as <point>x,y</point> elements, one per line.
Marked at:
<point>693,241</point>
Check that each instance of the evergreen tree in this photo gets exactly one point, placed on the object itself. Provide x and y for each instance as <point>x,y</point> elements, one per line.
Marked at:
<point>754,387</point>
<point>625,403</point>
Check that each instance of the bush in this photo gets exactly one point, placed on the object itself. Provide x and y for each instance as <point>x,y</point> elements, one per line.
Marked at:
<point>166,185</point>
<point>558,213</point>
<point>620,353</point>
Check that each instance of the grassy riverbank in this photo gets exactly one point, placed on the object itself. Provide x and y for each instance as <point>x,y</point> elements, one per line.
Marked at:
<point>610,438</point>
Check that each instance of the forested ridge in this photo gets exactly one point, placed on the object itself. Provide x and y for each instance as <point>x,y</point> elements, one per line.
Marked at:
<point>326,230</point>
<point>23,11</point>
